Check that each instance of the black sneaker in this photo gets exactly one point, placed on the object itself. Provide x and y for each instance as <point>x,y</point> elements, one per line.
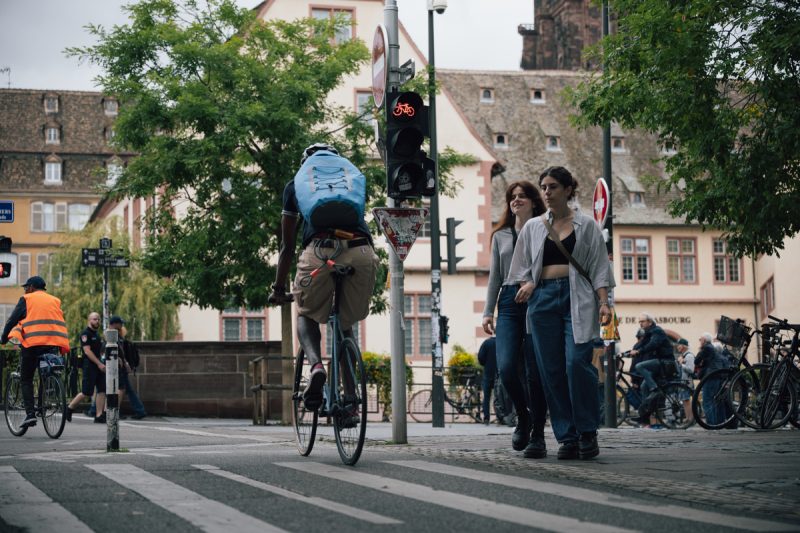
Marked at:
<point>587,446</point>
<point>312,396</point>
<point>138,416</point>
<point>29,421</point>
<point>536,449</point>
<point>521,434</point>
<point>69,414</point>
<point>100,419</point>
<point>568,451</point>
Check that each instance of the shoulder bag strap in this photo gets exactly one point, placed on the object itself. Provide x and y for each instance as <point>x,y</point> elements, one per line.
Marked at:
<point>513,238</point>
<point>565,253</point>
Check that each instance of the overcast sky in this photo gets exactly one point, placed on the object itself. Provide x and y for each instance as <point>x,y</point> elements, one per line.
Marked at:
<point>475,34</point>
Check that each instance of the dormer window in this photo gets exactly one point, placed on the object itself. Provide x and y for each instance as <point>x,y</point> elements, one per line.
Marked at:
<point>501,140</point>
<point>114,171</point>
<point>618,144</point>
<point>51,104</point>
<point>636,198</point>
<point>52,135</point>
<point>109,134</point>
<point>52,172</point>
<point>537,96</point>
<point>553,143</point>
<point>110,107</point>
<point>487,96</point>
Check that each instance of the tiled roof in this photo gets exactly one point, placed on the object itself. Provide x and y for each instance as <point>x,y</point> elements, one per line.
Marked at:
<point>528,125</point>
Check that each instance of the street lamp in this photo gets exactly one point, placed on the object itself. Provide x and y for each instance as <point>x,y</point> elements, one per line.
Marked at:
<point>437,378</point>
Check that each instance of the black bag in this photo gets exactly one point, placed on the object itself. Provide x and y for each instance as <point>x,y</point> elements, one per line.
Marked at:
<point>131,354</point>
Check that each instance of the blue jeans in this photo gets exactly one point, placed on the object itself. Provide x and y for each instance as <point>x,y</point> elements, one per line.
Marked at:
<point>568,376</point>
<point>515,346</point>
<point>489,375</point>
<point>714,407</point>
<point>124,383</point>
<point>649,370</point>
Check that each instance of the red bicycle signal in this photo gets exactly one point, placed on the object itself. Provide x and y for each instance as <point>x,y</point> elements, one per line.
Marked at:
<point>401,109</point>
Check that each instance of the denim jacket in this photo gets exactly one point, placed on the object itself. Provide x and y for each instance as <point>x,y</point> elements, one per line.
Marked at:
<point>590,252</point>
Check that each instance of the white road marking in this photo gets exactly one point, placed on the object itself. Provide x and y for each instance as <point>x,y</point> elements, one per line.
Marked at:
<point>599,498</point>
<point>25,506</point>
<point>452,500</point>
<point>206,514</point>
<point>336,507</point>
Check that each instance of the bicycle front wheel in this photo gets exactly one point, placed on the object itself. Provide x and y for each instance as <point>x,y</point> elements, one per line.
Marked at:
<point>746,393</point>
<point>623,408</point>
<point>53,406</point>
<point>673,414</point>
<point>420,406</point>
<point>710,404</point>
<point>779,399</point>
<point>303,420</point>
<point>14,406</point>
<point>350,406</point>
<point>472,406</point>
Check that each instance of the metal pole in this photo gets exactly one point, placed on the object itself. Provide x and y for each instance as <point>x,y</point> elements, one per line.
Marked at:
<point>112,387</point>
<point>611,370</point>
<point>105,298</point>
<point>396,275</point>
<point>437,379</point>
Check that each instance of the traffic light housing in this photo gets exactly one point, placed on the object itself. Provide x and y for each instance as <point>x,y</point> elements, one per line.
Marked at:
<point>409,172</point>
<point>5,247</point>
<point>452,258</point>
<point>5,270</point>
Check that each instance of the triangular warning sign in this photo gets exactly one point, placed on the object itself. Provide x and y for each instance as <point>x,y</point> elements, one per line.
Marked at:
<point>400,225</point>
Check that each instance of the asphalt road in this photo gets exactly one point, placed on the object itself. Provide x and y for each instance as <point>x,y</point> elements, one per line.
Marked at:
<point>225,475</point>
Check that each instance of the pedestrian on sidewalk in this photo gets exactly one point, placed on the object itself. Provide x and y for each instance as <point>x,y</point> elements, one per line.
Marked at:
<point>565,279</point>
<point>514,342</point>
<point>709,359</point>
<point>94,371</point>
<point>487,357</point>
<point>129,360</point>
<point>685,361</point>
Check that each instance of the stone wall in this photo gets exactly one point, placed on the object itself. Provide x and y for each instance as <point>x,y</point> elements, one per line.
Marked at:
<point>204,378</point>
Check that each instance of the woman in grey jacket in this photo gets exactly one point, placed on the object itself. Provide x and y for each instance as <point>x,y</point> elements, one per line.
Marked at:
<point>514,345</point>
<point>564,310</point>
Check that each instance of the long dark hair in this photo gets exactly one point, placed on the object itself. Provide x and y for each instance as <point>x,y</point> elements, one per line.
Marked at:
<point>508,218</point>
<point>562,176</point>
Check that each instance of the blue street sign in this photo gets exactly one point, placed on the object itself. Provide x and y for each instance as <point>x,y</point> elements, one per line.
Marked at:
<point>6,211</point>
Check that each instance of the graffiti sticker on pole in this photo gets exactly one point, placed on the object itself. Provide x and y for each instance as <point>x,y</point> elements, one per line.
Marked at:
<point>400,225</point>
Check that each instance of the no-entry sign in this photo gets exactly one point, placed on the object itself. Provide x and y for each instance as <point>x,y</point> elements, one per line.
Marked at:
<point>380,47</point>
<point>600,202</point>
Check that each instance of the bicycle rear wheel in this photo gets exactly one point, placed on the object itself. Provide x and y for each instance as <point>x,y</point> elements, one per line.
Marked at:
<point>779,399</point>
<point>14,406</point>
<point>710,405</point>
<point>672,414</point>
<point>350,407</point>
<point>472,406</point>
<point>303,420</point>
<point>53,406</point>
<point>746,393</point>
<point>420,406</point>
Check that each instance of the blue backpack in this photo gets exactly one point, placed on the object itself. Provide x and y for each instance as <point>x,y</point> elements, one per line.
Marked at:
<point>331,192</point>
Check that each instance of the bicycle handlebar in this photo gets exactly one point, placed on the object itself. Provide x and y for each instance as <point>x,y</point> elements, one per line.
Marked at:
<point>784,324</point>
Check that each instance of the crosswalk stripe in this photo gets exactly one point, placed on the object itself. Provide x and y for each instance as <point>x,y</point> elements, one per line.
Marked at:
<point>597,497</point>
<point>25,506</point>
<point>451,500</point>
<point>206,514</point>
<point>336,507</point>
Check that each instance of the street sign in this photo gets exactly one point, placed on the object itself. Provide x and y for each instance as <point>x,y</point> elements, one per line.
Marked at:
<point>600,202</point>
<point>105,243</point>
<point>380,46</point>
<point>400,225</point>
<point>101,257</point>
<point>6,210</point>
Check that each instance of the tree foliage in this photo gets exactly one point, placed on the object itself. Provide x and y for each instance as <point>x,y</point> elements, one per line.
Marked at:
<point>145,301</point>
<point>719,79</point>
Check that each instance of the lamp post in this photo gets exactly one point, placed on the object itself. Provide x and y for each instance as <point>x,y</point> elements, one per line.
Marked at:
<point>437,359</point>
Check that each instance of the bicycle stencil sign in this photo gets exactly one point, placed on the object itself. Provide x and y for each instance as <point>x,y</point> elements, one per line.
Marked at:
<point>400,225</point>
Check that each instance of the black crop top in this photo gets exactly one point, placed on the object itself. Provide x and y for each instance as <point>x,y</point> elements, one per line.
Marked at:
<point>552,255</point>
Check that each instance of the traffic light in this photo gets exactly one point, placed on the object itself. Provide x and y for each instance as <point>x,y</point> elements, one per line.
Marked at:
<point>452,258</point>
<point>5,270</point>
<point>409,172</point>
<point>5,247</point>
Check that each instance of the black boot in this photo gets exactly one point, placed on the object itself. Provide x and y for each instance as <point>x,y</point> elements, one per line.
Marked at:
<point>536,449</point>
<point>522,432</point>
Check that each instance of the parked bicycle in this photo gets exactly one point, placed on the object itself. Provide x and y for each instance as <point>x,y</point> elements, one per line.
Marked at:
<point>779,398</point>
<point>465,402</point>
<point>670,390</point>
<point>345,392</point>
<point>51,403</point>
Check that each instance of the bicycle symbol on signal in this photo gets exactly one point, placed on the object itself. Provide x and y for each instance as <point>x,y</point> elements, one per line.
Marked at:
<point>403,109</point>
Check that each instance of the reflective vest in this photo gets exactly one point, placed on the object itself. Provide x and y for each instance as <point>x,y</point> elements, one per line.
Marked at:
<point>16,335</point>
<point>44,323</point>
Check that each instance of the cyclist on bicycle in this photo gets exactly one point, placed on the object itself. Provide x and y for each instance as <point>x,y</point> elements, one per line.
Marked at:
<point>314,301</point>
<point>655,352</point>
<point>43,331</point>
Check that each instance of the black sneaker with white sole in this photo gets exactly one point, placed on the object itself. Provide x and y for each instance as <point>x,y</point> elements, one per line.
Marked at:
<point>312,396</point>
<point>29,421</point>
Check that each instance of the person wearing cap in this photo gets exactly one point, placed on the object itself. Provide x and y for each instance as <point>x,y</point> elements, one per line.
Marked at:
<point>125,347</point>
<point>685,360</point>
<point>43,331</point>
<point>94,371</point>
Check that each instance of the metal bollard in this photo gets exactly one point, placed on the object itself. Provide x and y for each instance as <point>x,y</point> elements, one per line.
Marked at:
<point>112,390</point>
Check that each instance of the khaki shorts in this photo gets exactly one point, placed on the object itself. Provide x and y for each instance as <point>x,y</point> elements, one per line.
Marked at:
<point>316,300</point>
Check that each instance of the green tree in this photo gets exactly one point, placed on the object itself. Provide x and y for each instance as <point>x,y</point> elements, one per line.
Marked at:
<point>144,300</point>
<point>719,80</point>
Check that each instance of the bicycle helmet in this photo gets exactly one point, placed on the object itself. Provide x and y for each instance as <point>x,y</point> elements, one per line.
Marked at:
<point>315,148</point>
